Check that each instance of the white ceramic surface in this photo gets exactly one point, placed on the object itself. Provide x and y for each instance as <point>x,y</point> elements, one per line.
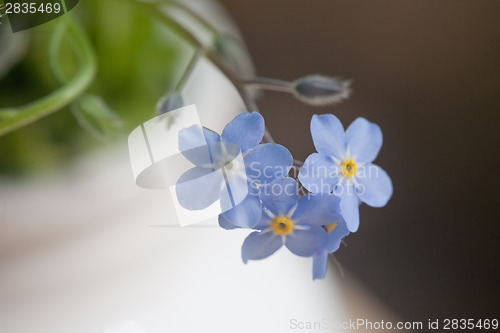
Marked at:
<point>91,252</point>
<point>86,250</point>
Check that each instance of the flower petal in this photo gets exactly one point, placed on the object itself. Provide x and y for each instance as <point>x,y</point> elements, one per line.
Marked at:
<point>194,144</point>
<point>328,135</point>
<point>349,208</point>
<point>280,196</point>
<point>236,184</point>
<point>260,245</point>
<point>319,174</point>
<point>225,224</point>
<point>265,221</point>
<point>210,135</point>
<point>246,214</point>
<point>364,140</point>
<point>305,243</point>
<point>246,130</point>
<point>320,262</point>
<point>268,162</point>
<point>317,210</point>
<point>335,236</point>
<point>375,185</point>
<point>189,184</point>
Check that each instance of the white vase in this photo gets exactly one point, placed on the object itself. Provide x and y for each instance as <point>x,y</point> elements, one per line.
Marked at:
<point>87,250</point>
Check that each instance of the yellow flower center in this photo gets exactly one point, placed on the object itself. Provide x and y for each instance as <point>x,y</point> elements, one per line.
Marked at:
<point>282,225</point>
<point>348,168</point>
<point>330,227</point>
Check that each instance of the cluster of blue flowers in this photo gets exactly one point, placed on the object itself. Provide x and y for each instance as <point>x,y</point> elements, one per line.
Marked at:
<point>256,193</point>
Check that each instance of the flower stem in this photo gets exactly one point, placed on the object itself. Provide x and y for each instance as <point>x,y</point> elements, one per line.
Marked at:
<point>297,164</point>
<point>269,84</point>
<point>189,69</point>
<point>207,25</point>
<point>187,35</point>
<point>16,117</point>
<point>54,47</point>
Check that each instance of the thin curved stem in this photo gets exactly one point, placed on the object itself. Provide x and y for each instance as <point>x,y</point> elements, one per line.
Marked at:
<point>203,22</point>
<point>337,263</point>
<point>187,35</point>
<point>298,164</point>
<point>16,117</point>
<point>189,69</point>
<point>269,84</point>
<point>54,47</point>
<point>207,25</point>
<point>252,105</point>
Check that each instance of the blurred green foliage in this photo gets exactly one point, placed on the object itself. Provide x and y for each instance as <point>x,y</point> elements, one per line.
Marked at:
<point>138,61</point>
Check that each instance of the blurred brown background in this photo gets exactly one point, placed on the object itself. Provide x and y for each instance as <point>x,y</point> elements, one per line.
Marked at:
<point>428,72</point>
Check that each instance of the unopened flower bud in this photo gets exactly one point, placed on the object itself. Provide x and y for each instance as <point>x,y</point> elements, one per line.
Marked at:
<point>169,102</point>
<point>321,90</point>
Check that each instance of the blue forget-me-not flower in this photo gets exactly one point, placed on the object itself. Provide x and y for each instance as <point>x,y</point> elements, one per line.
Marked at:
<point>244,166</point>
<point>343,165</point>
<point>290,221</point>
